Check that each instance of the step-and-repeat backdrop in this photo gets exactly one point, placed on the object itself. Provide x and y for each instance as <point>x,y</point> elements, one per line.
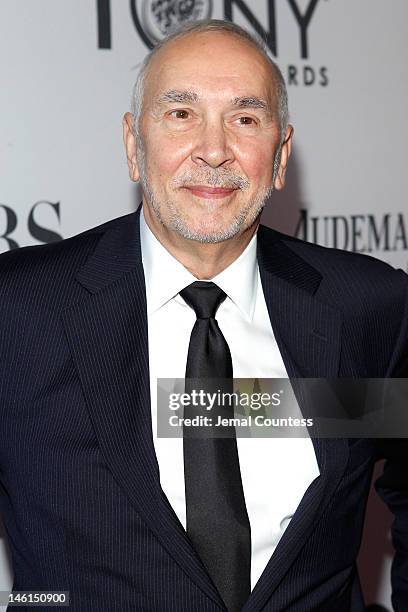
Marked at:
<point>66,73</point>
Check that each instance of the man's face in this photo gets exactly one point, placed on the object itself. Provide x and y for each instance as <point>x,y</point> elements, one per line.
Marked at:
<point>209,137</point>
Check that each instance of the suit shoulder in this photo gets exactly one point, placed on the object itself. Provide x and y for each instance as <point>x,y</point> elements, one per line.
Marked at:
<point>40,273</point>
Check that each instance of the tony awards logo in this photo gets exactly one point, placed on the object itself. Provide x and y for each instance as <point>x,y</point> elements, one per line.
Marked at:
<point>287,23</point>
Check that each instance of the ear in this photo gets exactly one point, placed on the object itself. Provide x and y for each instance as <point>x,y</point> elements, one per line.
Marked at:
<point>284,157</point>
<point>130,146</point>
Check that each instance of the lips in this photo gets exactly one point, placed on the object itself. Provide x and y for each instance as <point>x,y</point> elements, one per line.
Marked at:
<point>203,191</point>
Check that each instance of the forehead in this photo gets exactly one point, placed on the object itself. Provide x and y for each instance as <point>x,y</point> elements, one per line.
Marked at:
<point>211,63</point>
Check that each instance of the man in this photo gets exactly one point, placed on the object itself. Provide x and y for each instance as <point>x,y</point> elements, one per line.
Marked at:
<point>94,501</point>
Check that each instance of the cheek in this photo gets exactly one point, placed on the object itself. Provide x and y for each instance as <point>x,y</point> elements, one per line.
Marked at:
<point>166,153</point>
<point>258,166</point>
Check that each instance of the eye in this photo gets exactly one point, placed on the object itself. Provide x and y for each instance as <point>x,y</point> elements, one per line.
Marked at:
<point>246,120</point>
<point>179,114</point>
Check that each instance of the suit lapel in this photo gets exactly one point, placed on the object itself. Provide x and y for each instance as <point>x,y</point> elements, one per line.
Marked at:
<point>308,333</point>
<point>307,330</point>
<point>107,332</point>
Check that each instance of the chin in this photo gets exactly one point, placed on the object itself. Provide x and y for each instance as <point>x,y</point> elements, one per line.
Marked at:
<point>207,232</point>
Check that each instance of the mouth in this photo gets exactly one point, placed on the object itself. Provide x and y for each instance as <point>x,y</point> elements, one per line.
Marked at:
<point>210,193</point>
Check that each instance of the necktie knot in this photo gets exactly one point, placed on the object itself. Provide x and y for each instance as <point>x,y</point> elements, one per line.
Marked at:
<point>204,298</point>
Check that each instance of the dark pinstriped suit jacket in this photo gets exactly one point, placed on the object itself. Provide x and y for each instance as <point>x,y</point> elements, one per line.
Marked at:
<point>79,486</point>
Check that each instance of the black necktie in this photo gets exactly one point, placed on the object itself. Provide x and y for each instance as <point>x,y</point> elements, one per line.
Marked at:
<point>217,519</point>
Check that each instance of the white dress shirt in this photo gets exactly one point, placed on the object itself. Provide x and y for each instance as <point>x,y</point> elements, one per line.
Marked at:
<point>275,471</point>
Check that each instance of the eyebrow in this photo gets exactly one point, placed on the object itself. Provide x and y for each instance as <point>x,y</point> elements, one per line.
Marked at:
<point>251,102</point>
<point>174,95</point>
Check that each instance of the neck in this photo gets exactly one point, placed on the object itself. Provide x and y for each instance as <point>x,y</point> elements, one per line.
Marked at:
<point>203,260</point>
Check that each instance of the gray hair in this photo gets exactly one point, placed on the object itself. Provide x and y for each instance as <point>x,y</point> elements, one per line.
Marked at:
<point>210,25</point>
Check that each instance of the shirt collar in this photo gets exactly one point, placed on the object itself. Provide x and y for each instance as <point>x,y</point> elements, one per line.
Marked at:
<point>165,276</point>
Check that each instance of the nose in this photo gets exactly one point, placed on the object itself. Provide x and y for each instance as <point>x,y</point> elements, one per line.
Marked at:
<point>212,146</point>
